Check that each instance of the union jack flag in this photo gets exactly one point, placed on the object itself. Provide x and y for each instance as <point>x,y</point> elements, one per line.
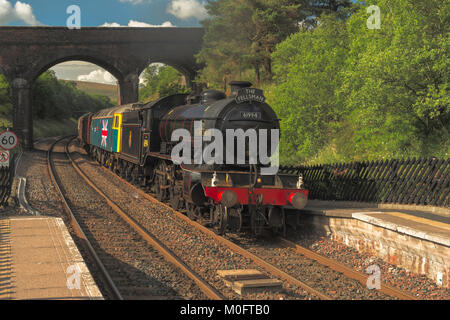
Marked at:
<point>104,132</point>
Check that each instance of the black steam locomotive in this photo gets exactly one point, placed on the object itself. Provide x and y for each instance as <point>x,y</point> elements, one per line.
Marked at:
<point>235,189</point>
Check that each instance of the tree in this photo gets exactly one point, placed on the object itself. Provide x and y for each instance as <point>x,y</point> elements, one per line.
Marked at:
<point>397,82</point>
<point>346,92</point>
<point>307,71</point>
<point>227,42</point>
<point>56,99</point>
<point>161,81</point>
<point>6,107</point>
<point>241,35</point>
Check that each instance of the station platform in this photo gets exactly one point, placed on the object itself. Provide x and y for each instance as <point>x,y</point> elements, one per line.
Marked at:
<point>39,260</point>
<point>417,239</point>
<point>421,224</point>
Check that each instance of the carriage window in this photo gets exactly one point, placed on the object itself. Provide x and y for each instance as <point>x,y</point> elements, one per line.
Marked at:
<point>116,122</point>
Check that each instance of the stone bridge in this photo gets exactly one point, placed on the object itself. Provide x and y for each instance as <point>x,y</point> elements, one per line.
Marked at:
<point>26,52</point>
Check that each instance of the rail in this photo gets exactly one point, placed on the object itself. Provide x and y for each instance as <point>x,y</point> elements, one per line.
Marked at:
<point>78,230</point>
<point>207,289</point>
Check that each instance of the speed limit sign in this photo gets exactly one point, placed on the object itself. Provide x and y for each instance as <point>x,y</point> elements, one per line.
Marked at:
<point>8,140</point>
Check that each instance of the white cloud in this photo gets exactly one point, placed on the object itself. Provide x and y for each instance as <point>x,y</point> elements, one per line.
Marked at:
<point>185,9</point>
<point>133,23</point>
<point>21,11</point>
<point>101,76</point>
<point>111,25</point>
<point>137,24</point>
<point>132,1</point>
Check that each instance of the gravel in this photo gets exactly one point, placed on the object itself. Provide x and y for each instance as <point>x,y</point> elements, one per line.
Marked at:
<point>136,268</point>
<point>201,252</point>
<point>415,284</point>
<point>319,277</point>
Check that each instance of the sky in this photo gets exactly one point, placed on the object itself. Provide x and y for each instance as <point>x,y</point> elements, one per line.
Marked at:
<point>96,13</point>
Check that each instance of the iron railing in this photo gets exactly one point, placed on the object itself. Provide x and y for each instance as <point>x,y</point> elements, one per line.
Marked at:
<point>411,181</point>
<point>6,180</point>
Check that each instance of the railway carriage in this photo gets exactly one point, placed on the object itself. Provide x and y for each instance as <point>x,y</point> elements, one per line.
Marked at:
<point>83,128</point>
<point>135,141</point>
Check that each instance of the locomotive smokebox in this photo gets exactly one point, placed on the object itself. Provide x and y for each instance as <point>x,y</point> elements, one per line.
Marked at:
<point>238,85</point>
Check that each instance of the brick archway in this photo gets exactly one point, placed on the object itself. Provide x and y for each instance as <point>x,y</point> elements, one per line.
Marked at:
<point>46,64</point>
<point>26,52</point>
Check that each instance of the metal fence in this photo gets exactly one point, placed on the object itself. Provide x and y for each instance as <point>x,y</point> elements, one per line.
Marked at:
<point>412,181</point>
<point>6,180</point>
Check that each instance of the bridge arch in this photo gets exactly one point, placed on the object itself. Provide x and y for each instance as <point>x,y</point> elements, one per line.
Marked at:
<point>187,71</point>
<point>45,64</point>
<point>26,52</point>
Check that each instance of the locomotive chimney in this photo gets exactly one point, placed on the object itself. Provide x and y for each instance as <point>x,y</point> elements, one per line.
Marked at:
<point>238,85</point>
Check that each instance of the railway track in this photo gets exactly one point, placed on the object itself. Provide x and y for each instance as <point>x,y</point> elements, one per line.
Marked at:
<point>79,231</point>
<point>114,241</point>
<point>267,267</point>
<point>272,269</point>
<point>341,268</point>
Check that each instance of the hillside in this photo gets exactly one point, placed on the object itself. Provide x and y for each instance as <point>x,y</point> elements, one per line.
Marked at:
<point>98,88</point>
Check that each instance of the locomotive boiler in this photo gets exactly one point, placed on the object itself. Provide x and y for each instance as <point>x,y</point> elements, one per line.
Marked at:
<point>238,134</point>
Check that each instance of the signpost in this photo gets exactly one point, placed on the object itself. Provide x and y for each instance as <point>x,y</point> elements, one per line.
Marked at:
<point>8,141</point>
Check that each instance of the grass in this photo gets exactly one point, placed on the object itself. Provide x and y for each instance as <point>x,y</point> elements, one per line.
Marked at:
<point>111,91</point>
<point>50,127</point>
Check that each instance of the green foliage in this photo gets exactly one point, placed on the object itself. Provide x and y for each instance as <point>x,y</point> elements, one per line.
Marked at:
<point>241,35</point>
<point>54,99</point>
<point>5,103</point>
<point>346,92</point>
<point>52,127</point>
<point>160,82</point>
<point>396,82</point>
<point>307,68</point>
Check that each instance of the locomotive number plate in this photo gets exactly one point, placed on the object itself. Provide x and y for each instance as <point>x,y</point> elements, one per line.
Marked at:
<point>251,115</point>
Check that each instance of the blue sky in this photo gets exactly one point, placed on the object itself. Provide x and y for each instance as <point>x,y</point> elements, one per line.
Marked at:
<point>97,12</point>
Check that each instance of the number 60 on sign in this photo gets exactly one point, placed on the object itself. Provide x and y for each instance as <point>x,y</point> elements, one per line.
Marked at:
<point>8,140</point>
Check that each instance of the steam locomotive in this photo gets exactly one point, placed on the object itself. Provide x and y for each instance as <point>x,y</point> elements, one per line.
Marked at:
<point>136,141</point>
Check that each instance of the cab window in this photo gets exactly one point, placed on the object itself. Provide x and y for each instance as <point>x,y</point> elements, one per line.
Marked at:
<point>116,122</point>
